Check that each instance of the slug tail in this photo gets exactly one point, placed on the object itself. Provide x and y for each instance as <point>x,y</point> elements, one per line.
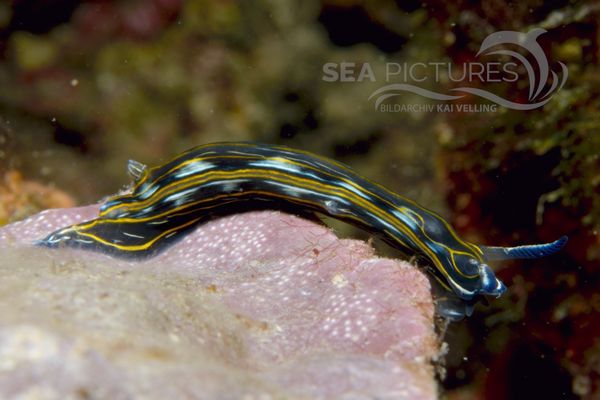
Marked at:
<point>524,252</point>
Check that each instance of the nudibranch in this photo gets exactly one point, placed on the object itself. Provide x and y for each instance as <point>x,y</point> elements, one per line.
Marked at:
<point>166,201</point>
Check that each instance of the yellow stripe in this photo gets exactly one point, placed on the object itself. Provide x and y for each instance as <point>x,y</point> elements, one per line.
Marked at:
<point>146,245</point>
<point>308,184</point>
<point>477,252</point>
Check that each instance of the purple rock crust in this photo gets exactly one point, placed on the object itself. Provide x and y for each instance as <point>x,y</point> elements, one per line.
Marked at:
<point>259,305</point>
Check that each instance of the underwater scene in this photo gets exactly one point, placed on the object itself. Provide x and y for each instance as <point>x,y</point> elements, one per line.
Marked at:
<point>318,199</point>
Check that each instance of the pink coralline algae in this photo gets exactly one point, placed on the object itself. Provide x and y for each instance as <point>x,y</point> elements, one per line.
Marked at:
<point>257,305</point>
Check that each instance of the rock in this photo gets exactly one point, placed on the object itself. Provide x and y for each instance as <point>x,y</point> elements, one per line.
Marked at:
<point>20,197</point>
<point>258,305</point>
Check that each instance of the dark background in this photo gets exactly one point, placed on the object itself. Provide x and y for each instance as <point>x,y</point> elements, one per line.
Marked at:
<point>86,85</point>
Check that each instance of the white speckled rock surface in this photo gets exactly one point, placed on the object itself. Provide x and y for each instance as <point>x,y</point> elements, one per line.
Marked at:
<point>252,306</point>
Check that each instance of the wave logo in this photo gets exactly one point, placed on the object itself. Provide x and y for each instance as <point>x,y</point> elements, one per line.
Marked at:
<point>538,77</point>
